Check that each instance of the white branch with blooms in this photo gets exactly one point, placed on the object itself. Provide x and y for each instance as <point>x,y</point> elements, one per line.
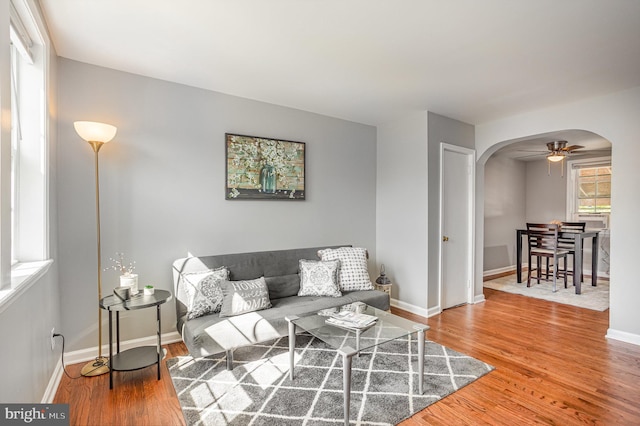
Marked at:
<point>127,277</point>
<point>121,266</point>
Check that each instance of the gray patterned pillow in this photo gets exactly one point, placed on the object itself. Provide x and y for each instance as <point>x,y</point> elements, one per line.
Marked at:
<point>353,274</point>
<point>244,296</point>
<point>319,278</point>
<point>204,295</point>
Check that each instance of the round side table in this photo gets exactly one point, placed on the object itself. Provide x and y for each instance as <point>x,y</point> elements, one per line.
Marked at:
<point>142,356</point>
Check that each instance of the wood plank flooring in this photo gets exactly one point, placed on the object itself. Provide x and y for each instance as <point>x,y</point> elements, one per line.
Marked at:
<point>553,366</point>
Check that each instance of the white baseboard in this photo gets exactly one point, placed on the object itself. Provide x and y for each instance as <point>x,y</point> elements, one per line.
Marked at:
<point>84,355</point>
<point>511,268</point>
<point>409,307</point>
<point>415,309</point>
<point>54,381</point>
<point>623,336</point>
<point>431,312</point>
<point>88,354</point>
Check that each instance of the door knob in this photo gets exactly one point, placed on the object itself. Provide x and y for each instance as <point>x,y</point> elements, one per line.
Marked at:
<point>445,238</point>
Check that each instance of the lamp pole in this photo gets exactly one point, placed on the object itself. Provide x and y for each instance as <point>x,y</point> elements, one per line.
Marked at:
<point>100,365</point>
<point>96,134</point>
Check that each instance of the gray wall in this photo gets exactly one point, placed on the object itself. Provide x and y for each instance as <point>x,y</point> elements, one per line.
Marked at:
<point>517,192</point>
<point>408,202</point>
<point>401,212</point>
<point>546,192</point>
<point>453,132</point>
<point>162,186</point>
<point>504,210</point>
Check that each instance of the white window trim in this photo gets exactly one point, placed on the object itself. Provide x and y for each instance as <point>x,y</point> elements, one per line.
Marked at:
<point>23,276</point>
<point>572,185</point>
<point>19,277</point>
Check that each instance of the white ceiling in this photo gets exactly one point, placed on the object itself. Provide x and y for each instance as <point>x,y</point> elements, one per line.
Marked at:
<point>532,149</point>
<point>368,61</point>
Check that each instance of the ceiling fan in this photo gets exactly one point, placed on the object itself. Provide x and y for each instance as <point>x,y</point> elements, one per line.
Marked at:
<point>558,150</point>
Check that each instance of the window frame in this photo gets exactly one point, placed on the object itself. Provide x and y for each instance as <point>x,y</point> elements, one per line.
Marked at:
<point>573,213</point>
<point>24,251</point>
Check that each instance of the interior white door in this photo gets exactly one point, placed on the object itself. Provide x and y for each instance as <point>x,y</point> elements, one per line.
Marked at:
<point>457,181</point>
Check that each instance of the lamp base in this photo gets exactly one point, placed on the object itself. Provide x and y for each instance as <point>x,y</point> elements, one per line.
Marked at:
<point>96,367</point>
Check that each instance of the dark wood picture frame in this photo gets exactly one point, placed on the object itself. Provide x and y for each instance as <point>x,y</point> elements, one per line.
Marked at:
<point>260,168</point>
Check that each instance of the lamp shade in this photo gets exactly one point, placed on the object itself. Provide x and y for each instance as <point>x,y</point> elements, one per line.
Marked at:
<point>92,131</point>
<point>554,158</point>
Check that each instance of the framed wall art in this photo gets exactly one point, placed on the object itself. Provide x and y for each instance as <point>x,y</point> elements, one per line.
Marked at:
<point>264,169</point>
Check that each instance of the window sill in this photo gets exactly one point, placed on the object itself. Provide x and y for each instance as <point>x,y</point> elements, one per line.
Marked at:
<point>23,276</point>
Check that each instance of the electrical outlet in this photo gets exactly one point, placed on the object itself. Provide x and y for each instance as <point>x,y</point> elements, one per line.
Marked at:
<point>53,338</point>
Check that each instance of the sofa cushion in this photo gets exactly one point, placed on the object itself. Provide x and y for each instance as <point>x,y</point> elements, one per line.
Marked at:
<point>283,285</point>
<point>204,294</point>
<point>212,334</point>
<point>319,278</point>
<point>354,274</point>
<point>244,296</point>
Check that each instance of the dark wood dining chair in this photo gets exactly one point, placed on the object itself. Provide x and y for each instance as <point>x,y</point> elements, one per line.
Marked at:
<point>542,241</point>
<point>568,243</point>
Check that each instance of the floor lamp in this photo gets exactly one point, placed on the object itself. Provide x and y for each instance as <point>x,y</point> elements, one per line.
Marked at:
<point>97,134</point>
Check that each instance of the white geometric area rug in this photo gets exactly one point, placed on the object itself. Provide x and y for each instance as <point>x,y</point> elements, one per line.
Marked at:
<point>258,390</point>
<point>595,298</point>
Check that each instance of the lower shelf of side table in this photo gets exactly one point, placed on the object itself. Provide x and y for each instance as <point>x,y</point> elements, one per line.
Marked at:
<point>135,358</point>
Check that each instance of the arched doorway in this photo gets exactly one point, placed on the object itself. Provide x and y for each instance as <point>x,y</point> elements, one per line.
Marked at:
<point>520,185</point>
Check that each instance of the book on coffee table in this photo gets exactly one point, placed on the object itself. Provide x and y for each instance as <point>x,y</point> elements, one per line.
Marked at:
<point>349,319</point>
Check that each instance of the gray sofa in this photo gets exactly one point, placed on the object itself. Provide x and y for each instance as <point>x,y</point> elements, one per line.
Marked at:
<point>212,334</point>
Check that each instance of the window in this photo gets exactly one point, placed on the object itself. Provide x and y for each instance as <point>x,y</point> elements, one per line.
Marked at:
<point>589,191</point>
<point>594,190</point>
<point>24,226</point>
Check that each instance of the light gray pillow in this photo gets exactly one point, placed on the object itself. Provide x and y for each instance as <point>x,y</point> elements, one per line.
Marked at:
<point>319,278</point>
<point>244,296</point>
<point>204,294</point>
<point>353,274</point>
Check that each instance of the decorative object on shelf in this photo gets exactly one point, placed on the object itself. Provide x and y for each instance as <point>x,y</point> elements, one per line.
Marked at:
<point>264,169</point>
<point>383,283</point>
<point>148,290</point>
<point>128,278</point>
<point>382,279</point>
<point>122,293</point>
<point>96,134</point>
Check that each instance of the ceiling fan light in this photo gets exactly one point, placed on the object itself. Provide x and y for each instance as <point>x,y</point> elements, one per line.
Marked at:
<point>555,157</point>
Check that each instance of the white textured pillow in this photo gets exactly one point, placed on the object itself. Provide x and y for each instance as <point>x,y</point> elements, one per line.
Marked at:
<point>319,278</point>
<point>353,274</point>
<point>204,295</point>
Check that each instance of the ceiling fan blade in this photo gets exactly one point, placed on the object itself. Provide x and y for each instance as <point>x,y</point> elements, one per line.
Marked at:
<point>572,148</point>
<point>539,154</point>
<point>532,150</point>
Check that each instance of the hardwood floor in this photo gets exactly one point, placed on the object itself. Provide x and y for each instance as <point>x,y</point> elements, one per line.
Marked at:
<point>553,366</point>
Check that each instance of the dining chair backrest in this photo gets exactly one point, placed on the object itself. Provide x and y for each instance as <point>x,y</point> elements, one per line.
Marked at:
<point>543,243</point>
<point>574,226</point>
<point>542,236</point>
<point>569,242</point>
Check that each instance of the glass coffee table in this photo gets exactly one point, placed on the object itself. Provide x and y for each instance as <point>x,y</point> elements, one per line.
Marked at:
<point>350,341</point>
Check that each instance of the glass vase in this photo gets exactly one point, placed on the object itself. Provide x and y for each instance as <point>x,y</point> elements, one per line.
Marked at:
<point>268,179</point>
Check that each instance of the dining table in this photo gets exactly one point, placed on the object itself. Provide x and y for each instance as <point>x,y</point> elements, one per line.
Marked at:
<point>578,237</point>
